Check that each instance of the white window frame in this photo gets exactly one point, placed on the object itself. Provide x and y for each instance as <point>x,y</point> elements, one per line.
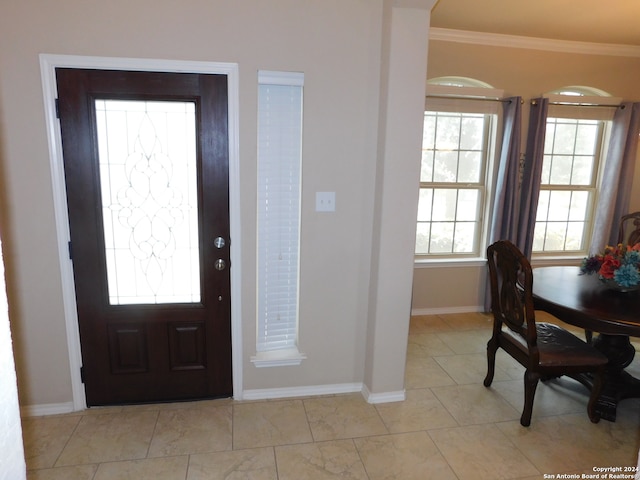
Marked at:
<point>456,96</point>
<point>581,103</point>
<point>280,113</point>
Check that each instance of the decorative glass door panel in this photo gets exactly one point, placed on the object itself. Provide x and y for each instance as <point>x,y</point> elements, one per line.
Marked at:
<point>147,158</point>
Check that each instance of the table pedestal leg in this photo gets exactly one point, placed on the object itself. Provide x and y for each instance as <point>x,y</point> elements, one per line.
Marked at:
<point>618,384</point>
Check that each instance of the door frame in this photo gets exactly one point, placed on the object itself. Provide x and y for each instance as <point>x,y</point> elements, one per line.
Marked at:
<point>48,65</point>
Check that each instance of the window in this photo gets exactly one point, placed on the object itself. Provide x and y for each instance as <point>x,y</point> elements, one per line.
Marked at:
<point>575,141</point>
<point>279,179</point>
<point>457,151</point>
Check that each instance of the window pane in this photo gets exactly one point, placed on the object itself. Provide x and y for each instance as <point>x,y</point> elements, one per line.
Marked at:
<point>425,203</point>
<point>538,237</point>
<point>468,203</point>
<point>473,133</point>
<point>575,232</point>
<point>586,137</point>
<point>426,170</point>
<point>444,204</point>
<point>543,206</point>
<point>441,237</point>
<point>560,203</point>
<point>429,132</point>
<point>448,132</point>
<point>565,135</point>
<point>464,235</point>
<point>446,166</point>
<point>579,204</point>
<point>470,165</point>
<point>560,169</point>
<point>422,237</point>
<point>582,170</point>
<point>546,170</point>
<point>555,235</point>
<point>549,135</point>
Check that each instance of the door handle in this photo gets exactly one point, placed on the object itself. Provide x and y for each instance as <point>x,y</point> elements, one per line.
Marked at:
<point>220,264</point>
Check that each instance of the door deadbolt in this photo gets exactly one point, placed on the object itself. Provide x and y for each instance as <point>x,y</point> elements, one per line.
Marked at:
<point>220,264</point>
<point>219,242</point>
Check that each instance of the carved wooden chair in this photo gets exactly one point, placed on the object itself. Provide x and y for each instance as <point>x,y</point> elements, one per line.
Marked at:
<point>629,232</point>
<point>544,349</point>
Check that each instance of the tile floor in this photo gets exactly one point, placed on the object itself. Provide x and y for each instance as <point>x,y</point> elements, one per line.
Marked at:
<point>449,427</point>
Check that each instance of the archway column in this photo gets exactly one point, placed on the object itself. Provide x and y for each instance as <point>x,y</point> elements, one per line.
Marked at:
<point>402,91</point>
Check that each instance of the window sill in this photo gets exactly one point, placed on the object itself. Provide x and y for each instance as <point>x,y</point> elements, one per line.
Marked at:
<point>449,262</point>
<point>278,358</point>
<point>542,261</point>
<point>537,260</point>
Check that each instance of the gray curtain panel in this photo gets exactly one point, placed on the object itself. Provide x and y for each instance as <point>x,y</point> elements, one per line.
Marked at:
<point>615,190</point>
<point>531,174</point>
<point>504,218</point>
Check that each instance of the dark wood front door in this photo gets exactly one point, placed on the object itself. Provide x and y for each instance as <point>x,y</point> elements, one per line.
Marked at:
<point>146,171</point>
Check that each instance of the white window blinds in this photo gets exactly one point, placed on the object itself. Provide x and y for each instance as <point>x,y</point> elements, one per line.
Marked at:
<point>279,173</point>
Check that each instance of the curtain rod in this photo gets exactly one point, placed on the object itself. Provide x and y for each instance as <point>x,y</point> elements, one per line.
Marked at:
<point>533,101</point>
<point>462,97</point>
<point>566,104</point>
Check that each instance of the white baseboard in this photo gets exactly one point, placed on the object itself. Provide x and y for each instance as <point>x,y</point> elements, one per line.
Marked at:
<point>316,390</point>
<point>257,394</point>
<point>386,397</point>
<point>445,310</point>
<point>292,392</point>
<point>46,409</point>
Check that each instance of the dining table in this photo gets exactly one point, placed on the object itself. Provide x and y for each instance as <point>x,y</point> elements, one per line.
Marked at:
<point>608,316</point>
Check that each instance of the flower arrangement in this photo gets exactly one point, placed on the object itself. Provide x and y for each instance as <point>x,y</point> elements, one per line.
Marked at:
<point>620,264</point>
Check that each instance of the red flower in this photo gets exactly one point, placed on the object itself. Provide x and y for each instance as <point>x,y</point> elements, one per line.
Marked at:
<point>609,266</point>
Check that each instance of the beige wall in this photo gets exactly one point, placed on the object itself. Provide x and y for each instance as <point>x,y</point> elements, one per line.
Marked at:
<point>337,44</point>
<point>526,73</point>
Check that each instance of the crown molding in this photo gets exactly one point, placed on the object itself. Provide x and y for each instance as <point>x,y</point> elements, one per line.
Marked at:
<point>533,43</point>
<point>420,4</point>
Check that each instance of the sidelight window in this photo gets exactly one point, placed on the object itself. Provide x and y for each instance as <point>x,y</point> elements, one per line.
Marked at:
<point>280,97</point>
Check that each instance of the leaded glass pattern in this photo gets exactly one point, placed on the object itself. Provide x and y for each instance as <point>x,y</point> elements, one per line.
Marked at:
<point>147,158</point>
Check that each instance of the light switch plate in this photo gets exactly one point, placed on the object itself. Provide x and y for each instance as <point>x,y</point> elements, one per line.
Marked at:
<point>325,201</point>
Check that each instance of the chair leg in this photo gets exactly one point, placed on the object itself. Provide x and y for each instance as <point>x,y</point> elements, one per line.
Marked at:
<point>588,335</point>
<point>492,348</point>
<point>596,389</point>
<point>530,384</point>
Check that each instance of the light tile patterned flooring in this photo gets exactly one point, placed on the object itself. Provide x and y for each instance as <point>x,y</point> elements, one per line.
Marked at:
<point>449,427</point>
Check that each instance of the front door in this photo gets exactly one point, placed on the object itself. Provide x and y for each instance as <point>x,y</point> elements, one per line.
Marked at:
<point>146,171</point>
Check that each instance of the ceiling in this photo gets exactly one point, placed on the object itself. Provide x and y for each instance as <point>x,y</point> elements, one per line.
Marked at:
<point>598,21</point>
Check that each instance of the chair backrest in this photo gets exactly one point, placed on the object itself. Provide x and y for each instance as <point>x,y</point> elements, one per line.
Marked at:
<point>629,232</point>
<point>511,280</point>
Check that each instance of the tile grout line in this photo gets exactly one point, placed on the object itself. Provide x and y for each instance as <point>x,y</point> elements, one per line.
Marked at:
<point>75,428</point>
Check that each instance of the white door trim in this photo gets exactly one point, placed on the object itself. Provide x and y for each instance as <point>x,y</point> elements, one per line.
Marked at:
<point>48,64</point>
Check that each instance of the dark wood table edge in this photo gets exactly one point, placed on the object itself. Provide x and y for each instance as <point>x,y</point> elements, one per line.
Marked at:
<point>612,340</point>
